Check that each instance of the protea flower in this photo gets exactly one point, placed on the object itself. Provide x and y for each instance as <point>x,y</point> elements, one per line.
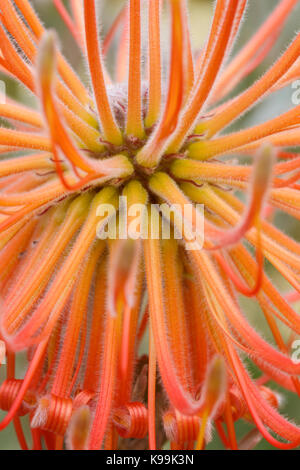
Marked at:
<point>80,305</point>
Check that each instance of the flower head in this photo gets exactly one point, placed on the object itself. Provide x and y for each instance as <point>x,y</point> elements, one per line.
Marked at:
<point>80,303</point>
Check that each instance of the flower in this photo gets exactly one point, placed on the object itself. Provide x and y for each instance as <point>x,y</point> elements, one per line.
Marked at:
<point>80,305</point>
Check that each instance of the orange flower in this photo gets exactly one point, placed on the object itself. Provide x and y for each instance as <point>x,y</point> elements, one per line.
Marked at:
<point>80,304</point>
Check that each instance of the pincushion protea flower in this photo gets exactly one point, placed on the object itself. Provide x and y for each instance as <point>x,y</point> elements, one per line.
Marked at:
<point>80,305</point>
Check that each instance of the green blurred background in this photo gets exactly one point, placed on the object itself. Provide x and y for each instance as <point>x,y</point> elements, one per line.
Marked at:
<point>200,16</point>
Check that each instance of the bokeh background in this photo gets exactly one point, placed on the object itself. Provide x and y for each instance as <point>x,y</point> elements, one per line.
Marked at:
<point>200,17</point>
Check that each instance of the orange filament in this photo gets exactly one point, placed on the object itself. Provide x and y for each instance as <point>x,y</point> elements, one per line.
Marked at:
<point>92,376</point>
<point>14,62</point>
<point>174,303</point>
<point>206,150</point>
<point>108,380</point>
<point>77,10</point>
<point>24,295</point>
<point>237,403</point>
<point>197,336</point>
<point>245,382</point>
<point>112,31</point>
<point>188,57</point>
<point>59,135</point>
<point>8,393</point>
<point>66,71</point>
<point>181,429</point>
<point>83,397</point>
<point>239,285</point>
<point>109,126</point>
<point>29,377</point>
<point>131,420</point>
<point>224,19</point>
<point>75,324</point>
<point>60,290</point>
<point>150,155</point>
<point>250,96</point>
<point>255,50</point>
<point>69,22</point>
<point>24,140</point>
<point>177,393</point>
<point>152,393</point>
<point>134,125</point>
<point>21,113</point>
<point>16,26</point>
<point>154,102</point>
<point>53,414</point>
<point>130,320</point>
<point>121,61</point>
<point>26,41</point>
<point>228,417</point>
<point>30,162</point>
<point>11,253</point>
